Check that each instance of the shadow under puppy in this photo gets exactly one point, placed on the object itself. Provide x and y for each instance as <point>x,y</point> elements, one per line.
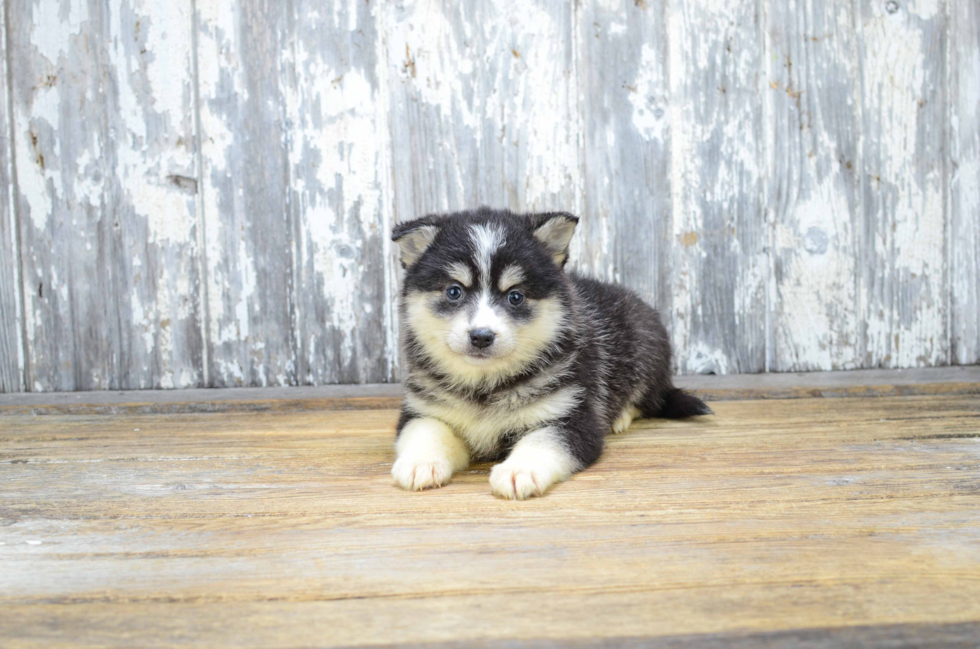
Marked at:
<point>509,356</point>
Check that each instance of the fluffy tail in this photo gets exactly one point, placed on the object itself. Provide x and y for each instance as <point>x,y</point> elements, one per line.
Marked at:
<point>681,405</point>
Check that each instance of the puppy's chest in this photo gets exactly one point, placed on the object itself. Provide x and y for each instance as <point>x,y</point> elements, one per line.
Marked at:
<point>484,426</point>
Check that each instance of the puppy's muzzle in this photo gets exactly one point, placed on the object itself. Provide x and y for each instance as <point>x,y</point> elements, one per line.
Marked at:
<point>481,338</point>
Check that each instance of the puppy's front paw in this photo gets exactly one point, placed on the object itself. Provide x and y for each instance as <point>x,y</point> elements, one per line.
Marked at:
<point>514,482</point>
<point>428,455</point>
<point>414,474</point>
<point>538,460</point>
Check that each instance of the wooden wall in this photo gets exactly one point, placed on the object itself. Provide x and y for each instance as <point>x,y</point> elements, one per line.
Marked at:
<point>198,192</point>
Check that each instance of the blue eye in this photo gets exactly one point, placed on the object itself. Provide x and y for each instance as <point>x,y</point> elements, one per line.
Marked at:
<point>454,292</point>
<point>516,298</point>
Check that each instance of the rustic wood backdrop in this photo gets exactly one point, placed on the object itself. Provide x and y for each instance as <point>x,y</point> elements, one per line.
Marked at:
<point>199,191</point>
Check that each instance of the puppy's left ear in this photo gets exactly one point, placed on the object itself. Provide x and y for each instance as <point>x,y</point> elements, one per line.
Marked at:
<point>554,230</point>
<point>413,237</point>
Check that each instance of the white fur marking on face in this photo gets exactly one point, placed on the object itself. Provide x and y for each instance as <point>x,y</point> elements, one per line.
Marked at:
<point>538,461</point>
<point>486,317</point>
<point>512,276</point>
<point>461,273</point>
<point>428,454</point>
<point>487,240</point>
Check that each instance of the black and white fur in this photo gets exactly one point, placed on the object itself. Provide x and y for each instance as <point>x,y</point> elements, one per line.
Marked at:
<point>538,379</point>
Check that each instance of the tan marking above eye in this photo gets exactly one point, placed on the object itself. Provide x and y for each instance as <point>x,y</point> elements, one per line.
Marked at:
<point>512,276</point>
<point>461,273</point>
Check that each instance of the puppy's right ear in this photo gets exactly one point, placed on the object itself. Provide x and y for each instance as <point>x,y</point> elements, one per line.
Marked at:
<point>413,237</point>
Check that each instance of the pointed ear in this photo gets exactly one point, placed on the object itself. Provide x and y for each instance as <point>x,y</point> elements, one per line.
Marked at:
<point>413,237</point>
<point>554,230</point>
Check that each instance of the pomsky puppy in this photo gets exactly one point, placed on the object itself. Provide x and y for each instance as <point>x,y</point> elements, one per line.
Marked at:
<point>508,356</point>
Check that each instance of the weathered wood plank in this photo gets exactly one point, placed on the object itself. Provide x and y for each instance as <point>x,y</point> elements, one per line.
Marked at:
<point>719,272</point>
<point>339,197</point>
<point>482,105</point>
<point>957,380</point>
<point>245,167</point>
<point>814,198</point>
<point>11,332</point>
<point>918,636</point>
<point>622,74</point>
<point>61,152</point>
<point>903,288</point>
<point>282,529</point>
<point>102,95</point>
<point>151,194</point>
<point>963,176</point>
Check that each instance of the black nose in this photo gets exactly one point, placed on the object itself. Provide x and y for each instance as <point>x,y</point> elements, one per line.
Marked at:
<point>481,338</point>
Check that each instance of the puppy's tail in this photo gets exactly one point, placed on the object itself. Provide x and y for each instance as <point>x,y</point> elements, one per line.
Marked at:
<point>679,404</point>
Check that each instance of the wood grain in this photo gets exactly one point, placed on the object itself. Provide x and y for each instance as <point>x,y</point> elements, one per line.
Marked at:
<point>904,303</point>
<point>11,332</point>
<point>623,83</point>
<point>63,163</point>
<point>482,107</point>
<point>245,182</point>
<point>719,285</point>
<point>152,195</point>
<point>963,75</point>
<point>283,529</point>
<point>814,201</point>
<point>339,194</point>
<point>104,141</point>
<point>932,636</point>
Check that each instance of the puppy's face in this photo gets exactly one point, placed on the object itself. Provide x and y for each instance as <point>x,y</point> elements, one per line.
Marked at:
<point>483,291</point>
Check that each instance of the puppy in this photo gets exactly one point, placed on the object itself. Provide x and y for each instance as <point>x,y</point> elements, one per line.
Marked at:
<point>509,356</point>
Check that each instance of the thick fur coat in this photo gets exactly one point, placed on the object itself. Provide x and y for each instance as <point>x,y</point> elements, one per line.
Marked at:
<point>512,359</point>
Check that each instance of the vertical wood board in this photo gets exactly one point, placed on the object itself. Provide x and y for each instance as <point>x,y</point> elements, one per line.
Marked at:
<point>11,340</point>
<point>339,174</point>
<point>103,143</point>
<point>59,143</point>
<point>245,180</point>
<point>813,198</point>
<point>719,268</point>
<point>151,194</point>
<point>622,69</point>
<point>963,175</point>
<point>903,288</point>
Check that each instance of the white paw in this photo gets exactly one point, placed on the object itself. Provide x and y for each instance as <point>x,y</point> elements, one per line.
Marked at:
<point>428,455</point>
<point>414,474</point>
<point>625,419</point>
<point>518,483</point>
<point>536,462</point>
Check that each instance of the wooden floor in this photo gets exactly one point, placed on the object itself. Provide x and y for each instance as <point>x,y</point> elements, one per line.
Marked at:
<point>798,522</point>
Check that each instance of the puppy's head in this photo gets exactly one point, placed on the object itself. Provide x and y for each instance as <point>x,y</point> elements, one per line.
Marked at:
<point>485,292</point>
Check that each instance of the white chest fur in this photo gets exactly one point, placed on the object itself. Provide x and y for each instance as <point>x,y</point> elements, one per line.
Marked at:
<point>481,427</point>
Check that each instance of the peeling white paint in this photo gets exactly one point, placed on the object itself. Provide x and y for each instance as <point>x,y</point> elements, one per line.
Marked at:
<point>906,323</point>
<point>53,27</point>
<point>715,175</point>
<point>491,103</point>
<point>699,358</point>
<point>648,110</point>
<point>33,179</point>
